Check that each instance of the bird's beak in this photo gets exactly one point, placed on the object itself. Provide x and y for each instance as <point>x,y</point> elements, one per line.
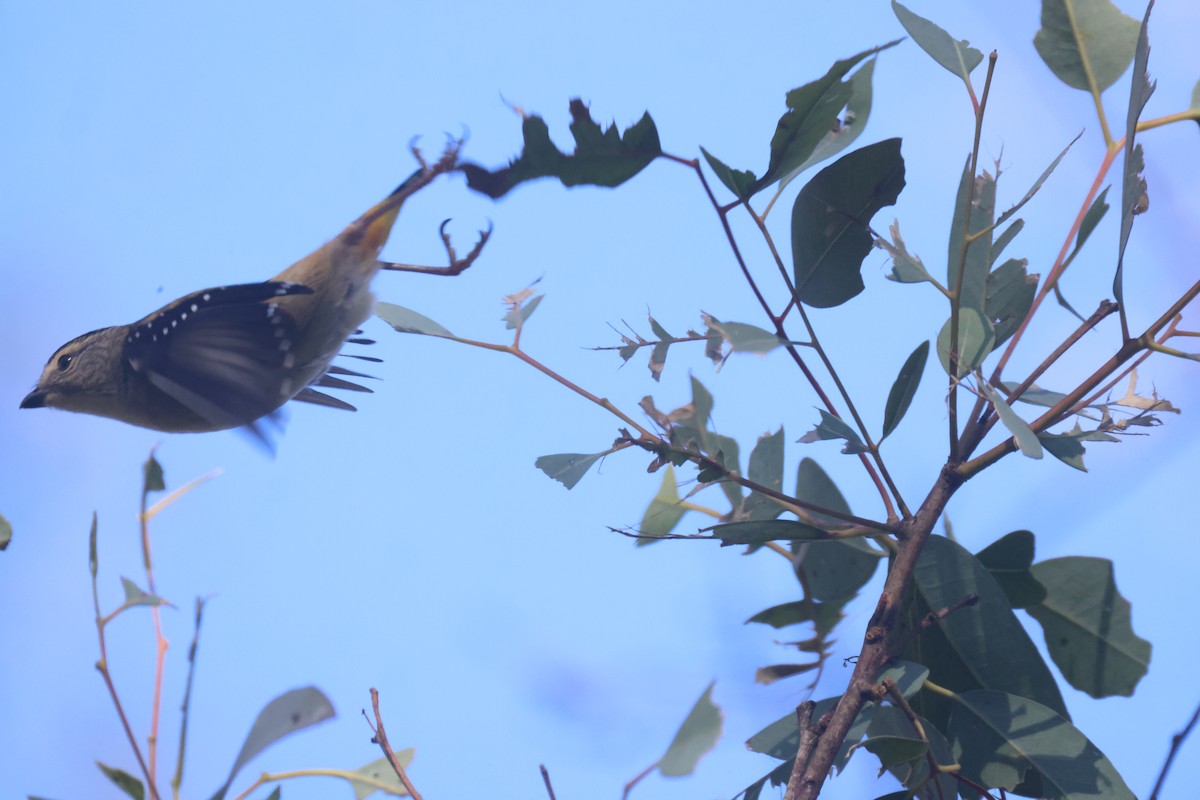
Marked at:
<point>35,399</point>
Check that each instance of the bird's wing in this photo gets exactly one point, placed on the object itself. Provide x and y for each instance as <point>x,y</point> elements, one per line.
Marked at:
<point>225,353</point>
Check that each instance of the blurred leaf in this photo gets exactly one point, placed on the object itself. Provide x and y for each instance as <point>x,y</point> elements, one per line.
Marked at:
<point>1005,238</point>
<point>768,675</point>
<point>5,533</point>
<point>1036,395</point>
<point>1131,399</point>
<point>1000,738</point>
<point>602,157</point>
<point>770,530</point>
<point>830,221</point>
<point>831,427</point>
<point>841,136</point>
<point>152,472</point>
<point>124,781</point>
<point>976,339</point>
<point>892,739</point>
<point>1091,219</point>
<point>979,195</point>
<point>406,320</point>
<point>276,793</point>
<point>906,267</point>
<point>814,485</point>
<point>1134,199</point>
<point>916,775</point>
<point>956,56</point>
<point>698,734</point>
<point>1008,560</point>
<point>908,676</point>
<point>823,616</point>
<point>658,356</point>
<point>1027,440</point>
<point>982,646</point>
<point>738,181</point>
<point>766,469</point>
<point>1038,183</point>
<point>1088,626</point>
<point>835,570</point>
<point>664,512</point>
<point>93,560</point>
<point>903,388</point>
<point>1010,292</point>
<point>1085,40</point>
<point>286,714</point>
<point>745,338</point>
<point>381,770</point>
<point>520,311</point>
<point>568,468</point>
<point>1068,447</point>
<point>136,597</point>
<point>812,113</point>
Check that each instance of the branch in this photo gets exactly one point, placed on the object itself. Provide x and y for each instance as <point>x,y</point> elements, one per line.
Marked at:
<point>1176,742</point>
<point>380,738</point>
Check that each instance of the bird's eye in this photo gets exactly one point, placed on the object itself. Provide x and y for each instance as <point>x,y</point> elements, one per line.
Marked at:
<point>64,362</point>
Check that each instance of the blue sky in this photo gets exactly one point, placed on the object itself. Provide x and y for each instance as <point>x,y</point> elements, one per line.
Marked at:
<point>154,149</point>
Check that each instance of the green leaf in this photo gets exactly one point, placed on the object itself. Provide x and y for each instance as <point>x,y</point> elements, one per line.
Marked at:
<point>976,339</point>
<point>836,570</point>
<point>979,195</point>
<point>1037,184</point>
<point>1134,199</point>
<point>830,221</point>
<point>1091,219</point>
<point>1088,626</point>
<point>999,739</point>
<point>406,320</point>
<point>916,775</point>
<point>520,310</point>
<point>286,714</point>
<point>1010,292</point>
<point>124,781</point>
<point>568,468</point>
<point>1068,447</point>
<point>1082,38</point>
<point>776,672</point>
<point>814,485</point>
<point>93,560</point>
<point>1036,395</point>
<point>745,338</point>
<point>906,267</point>
<point>696,736</point>
<point>136,597</point>
<point>381,770</point>
<point>152,476</point>
<point>831,427</point>
<point>812,113</point>
<point>658,356</point>
<point>982,646</point>
<point>892,738</point>
<point>766,469</point>
<point>1004,239</point>
<point>602,157</point>
<point>956,56</point>
<point>1008,560</point>
<point>5,533</point>
<point>664,512</point>
<point>738,181</point>
<point>761,531</point>
<point>843,133</point>
<point>1027,440</point>
<point>823,616</point>
<point>276,793</point>
<point>903,388</point>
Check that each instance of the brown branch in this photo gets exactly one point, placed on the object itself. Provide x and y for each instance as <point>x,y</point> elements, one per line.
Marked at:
<point>1176,741</point>
<point>380,738</point>
<point>546,780</point>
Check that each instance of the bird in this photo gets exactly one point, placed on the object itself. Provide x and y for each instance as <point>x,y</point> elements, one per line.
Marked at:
<point>230,356</point>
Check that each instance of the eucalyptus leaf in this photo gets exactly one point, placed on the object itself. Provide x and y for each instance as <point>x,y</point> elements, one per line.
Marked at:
<point>760,531</point>
<point>1068,447</point>
<point>6,532</point>
<point>696,736</point>
<point>1010,293</point>
<point>568,468</point>
<point>830,221</point>
<point>738,181</point>
<point>136,597</point>
<point>124,781</point>
<point>956,56</point>
<point>381,770</point>
<point>904,388</point>
<point>1134,199</point>
<point>1008,560</point>
<point>406,320</point>
<point>1027,441</point>
<point>976,339</point>
<point>1038,183</point>
<point>906,267</point>
<point>745,338</point>
<point>976,198</point>
<point>1088,44</point>
<point>152,476</point>
<point>844,132</point>
<point>664,512</point>
<point>831,427</point>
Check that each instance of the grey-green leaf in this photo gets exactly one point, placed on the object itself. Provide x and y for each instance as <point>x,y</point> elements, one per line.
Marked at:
<point>124,781</point>
<point>843,133</point>
<point>831,427</point>
<point>568,468</point>
<point>768,530</point>
<point>1068,447</point>
<point>904,388</point>
<point>1027,440</point>
<point>664,511</point>
<point>976,338</point>
<point>1092,218</point>
<point>830,221</point>
<point>286,714</point>
<point>745,338</point>
<point>1002,740</point>
<point>1085,42</point>
<point>1037,184</point>
<point>1008,560</point>
<point>136,597</point>
<point>956,56</point>
<point>1088,626</point>
<point>5,532</point>
<point>406,320</point>
<point>381,771</point>
<point>152,476</point>
<point>976,195</point>
<point>738,181</point>
<point>1010,293</point>
<point>696,736</point>
<point>906,267</point>
<point>1134,199</point>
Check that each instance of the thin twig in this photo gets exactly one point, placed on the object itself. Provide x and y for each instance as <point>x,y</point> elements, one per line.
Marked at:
<point>901,702</point>
<point>546,780</point>
<point>380,738</point>
<point>1176,742</point>
<point>177,779</point>
<point>160,640</point>
<point>637,779</point>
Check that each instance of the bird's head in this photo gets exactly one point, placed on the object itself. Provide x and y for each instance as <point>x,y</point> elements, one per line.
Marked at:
<point>85,375</point>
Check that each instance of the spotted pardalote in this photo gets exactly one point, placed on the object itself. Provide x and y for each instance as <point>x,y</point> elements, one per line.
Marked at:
<point>228,356</point>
